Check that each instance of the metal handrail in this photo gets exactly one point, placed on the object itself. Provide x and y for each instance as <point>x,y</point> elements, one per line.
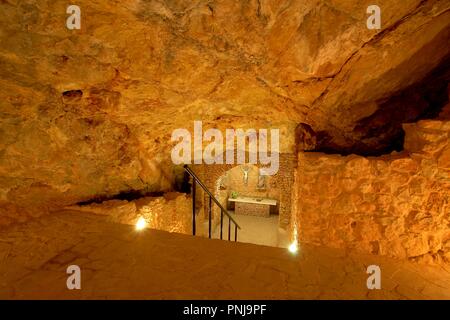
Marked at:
<point>192,173</point>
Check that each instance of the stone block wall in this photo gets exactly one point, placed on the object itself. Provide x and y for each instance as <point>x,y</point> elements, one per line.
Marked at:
<point>281,184</point>
<point>171,212</point>
<point>396,205</point>
<point>253,209</point>
<point>235,182</point>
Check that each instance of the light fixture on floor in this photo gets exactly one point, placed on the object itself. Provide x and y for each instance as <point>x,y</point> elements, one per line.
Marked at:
<point>293,248</point>
<point>141,223</point>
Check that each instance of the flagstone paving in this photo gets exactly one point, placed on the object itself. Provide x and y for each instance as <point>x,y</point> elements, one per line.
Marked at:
<point>118,262</point>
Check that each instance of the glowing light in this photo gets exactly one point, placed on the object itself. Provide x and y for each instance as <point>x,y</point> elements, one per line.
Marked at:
<point>141,224</point>
<point>293,248</point>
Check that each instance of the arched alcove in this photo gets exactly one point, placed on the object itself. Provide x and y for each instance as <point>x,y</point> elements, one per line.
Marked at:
<point>223,179</point>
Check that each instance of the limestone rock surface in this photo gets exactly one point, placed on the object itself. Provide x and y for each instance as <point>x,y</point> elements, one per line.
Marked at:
<point>90,112</point>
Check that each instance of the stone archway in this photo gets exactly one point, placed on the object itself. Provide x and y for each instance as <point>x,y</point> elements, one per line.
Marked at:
<point>279,186</point>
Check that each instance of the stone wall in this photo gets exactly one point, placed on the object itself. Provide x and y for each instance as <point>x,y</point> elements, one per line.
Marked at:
<point>253,209</point>
<point>234,181</point>
<point>283,181</point>
<point>396,205</point>
<point>171,212</point>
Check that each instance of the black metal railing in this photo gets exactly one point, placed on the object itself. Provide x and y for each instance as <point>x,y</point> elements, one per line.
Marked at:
<point>223,211</point>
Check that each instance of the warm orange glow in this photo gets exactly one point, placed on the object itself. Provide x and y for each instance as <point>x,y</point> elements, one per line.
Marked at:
<point>293,248</point>
<point>141,224</point>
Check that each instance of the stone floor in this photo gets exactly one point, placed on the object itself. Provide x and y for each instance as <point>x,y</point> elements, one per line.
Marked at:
<point>118,262</point>
<point>256,230</point>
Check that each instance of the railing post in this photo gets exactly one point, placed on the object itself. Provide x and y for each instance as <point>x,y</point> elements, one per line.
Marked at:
<point>221,223</point>
<point>193,206</point>
<point>195,181</point>
<point>209,217</point>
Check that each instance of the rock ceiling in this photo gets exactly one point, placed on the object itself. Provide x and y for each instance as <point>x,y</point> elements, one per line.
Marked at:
<point>91,111</point>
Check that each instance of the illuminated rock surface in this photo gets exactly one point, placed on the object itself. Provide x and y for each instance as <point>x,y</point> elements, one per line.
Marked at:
<point>396,205</point>
<point>117,261</point>
<point>86,118</point>
<point>89,113</point>
<point>171,212</point>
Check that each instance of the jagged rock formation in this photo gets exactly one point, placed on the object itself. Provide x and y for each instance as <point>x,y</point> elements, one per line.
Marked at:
<point>90,112</point>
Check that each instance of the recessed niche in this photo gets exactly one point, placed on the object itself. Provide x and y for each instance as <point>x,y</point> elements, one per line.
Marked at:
<point>72,95</point>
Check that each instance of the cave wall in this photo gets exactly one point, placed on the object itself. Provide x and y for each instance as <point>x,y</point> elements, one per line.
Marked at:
<point>396,205</point>
<point>88,113</point>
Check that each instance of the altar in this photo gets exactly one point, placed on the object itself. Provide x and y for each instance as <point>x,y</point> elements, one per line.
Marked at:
<point>253,206</point>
